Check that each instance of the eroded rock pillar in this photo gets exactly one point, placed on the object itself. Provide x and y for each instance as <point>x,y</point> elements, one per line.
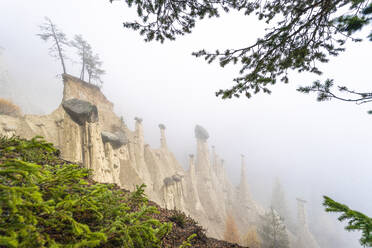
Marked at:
<point>163,141</point>
<point>203,164</point>
<point>301,214</point>
<point>244,193</point>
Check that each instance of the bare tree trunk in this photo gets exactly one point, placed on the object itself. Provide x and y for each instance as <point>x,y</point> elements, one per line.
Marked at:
<point>59,48</point>
<point>83,68</point>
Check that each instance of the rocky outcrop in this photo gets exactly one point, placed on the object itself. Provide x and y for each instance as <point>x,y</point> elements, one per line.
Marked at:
<point>87,131</point>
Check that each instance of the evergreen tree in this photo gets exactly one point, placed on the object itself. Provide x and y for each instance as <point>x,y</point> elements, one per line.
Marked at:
<point>50,32</point>
<point>356,220</point>
<point>94,70</point>
<point>300,35</point>
<point>273,231</point>
<point>90,63</point>
<point>279,203</point>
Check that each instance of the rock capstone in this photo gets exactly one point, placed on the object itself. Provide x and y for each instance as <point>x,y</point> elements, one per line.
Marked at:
<point>109,137</point>
<point>139,120</point>
<point>116,139</point>
<point>81,111</point>
<point>162,126</point>
<point>168,181</point>
<point>177,178</point>
<point>201,133</point>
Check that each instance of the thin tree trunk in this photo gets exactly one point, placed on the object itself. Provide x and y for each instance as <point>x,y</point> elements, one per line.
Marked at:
<point>83,68</point>
<point>59,49</point>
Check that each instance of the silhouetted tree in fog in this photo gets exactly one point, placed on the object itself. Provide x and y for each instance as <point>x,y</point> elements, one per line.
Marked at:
<point>279,203</point>
<point>51,33</point>
<point>273,231</point>
<point>83,50</point>
<point>94,70</point>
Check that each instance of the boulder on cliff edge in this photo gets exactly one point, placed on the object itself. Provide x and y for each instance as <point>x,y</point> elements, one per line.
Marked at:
<point>81,111</point>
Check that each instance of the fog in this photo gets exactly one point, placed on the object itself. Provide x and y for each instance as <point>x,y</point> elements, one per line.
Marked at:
<point>314,148</point>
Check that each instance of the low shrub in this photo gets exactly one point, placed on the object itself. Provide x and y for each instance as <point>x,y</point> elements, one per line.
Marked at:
<point>179,218</point>
<point>7,107</point>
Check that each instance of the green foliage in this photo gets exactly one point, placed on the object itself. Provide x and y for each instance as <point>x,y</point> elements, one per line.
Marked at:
<point>187,242</point>
<point>35,150</point>
<point>325,93</point>
<point>356,221</point>
<point>350,23</point>
<point>47,203</point>
<point>179,218</point>
<point>300,34</point>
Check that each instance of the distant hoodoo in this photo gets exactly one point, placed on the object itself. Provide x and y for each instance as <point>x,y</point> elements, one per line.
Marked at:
<point>162,126</point>
<point>201,133</point>
<point>138,119</point>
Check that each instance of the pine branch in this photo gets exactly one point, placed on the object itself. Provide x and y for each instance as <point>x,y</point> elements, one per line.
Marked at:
<point>356,221</point>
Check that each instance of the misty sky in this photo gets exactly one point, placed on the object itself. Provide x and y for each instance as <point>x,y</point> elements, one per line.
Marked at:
<point>314,148</point>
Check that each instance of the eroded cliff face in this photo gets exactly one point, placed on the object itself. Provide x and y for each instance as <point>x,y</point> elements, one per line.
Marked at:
<point>87,131</point>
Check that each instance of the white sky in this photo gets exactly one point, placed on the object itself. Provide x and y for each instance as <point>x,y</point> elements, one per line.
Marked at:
<point>315,148</point>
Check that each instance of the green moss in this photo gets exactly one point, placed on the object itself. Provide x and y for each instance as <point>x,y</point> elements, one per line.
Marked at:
<point>46,202</point>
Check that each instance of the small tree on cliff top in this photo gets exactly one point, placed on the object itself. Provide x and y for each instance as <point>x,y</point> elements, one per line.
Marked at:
<point>90,63</point>
<point>231,230</point>
<point>50,32</point>
<point>94,70</point>
<point>83,51</point>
